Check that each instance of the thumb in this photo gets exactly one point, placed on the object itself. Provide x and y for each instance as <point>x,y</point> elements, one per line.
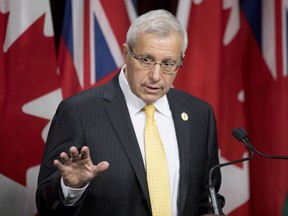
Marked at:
<point>101,167</point>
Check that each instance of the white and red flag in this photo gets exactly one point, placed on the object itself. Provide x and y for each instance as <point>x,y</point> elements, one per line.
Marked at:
<point>237,60</point>
<point>29,94</point>
<point>33,80</point>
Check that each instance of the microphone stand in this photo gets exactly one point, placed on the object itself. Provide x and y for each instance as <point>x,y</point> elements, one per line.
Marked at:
<point>241,135</point>
<point>213,197</point>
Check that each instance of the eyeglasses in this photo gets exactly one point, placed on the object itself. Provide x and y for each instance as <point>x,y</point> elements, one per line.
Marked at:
<point>167,66</point>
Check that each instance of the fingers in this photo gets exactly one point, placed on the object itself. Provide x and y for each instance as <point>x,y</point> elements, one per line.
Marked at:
<point>85,152</point>
<point>59,164</point>
<point>75,156</point>
<point>74,153</point>
<point>65,159</point>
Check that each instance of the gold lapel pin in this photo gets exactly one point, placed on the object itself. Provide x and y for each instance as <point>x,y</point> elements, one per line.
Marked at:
<point>184,116</point>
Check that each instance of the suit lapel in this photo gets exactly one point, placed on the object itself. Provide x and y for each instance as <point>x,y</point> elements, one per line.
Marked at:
<point>183,138</point>
<point>118,114</point>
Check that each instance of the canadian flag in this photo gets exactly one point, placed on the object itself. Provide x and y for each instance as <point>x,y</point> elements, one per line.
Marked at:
<point>33,80</point>
<point>237,60</point>
<point>29,95</point>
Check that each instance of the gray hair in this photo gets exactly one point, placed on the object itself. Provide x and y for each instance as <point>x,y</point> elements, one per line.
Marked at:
<point>159,22</point>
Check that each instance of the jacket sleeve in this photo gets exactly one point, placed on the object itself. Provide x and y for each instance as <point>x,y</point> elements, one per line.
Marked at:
<point>65,131</point>
<point>212,148</point>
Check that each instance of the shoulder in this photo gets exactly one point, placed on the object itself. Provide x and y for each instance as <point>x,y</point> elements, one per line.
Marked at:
<point>93,98</point>
<point>97,93</point>
<point>185,99</point>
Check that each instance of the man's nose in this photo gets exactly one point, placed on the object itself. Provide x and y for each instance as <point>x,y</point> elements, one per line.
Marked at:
<point>155,72</point>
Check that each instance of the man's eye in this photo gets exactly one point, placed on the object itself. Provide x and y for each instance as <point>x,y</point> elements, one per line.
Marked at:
<point>168,64</point>
<point>146,60</point>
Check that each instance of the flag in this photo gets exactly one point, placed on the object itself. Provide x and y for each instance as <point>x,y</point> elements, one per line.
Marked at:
<point>31,87</point>
<point>91,42</point>
<point>237,60</point>
<point>29,94</point>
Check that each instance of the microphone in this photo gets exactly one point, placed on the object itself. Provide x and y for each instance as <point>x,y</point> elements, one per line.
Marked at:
<point>241,135</point>
<point>213,197</point>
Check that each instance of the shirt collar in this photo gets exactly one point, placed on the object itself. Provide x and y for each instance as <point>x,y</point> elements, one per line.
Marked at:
<point>135,104</point>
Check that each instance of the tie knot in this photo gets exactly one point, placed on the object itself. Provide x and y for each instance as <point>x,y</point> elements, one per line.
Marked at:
<point>150,110</point>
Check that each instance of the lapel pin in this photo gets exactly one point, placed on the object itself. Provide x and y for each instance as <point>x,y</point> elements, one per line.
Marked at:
<point>184,116</point>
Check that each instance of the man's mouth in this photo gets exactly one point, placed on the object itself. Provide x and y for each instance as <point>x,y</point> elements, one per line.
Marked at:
<point>152,89</point>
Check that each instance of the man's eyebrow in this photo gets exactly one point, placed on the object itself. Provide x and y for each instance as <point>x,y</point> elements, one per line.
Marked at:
<point>147,56</point>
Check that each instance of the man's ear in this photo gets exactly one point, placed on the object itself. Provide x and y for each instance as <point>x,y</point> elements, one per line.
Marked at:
<point>125,52</point>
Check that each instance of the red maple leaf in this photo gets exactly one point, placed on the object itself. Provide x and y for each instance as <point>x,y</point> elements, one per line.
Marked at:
<point>28,71</point>
<point>207,74</point>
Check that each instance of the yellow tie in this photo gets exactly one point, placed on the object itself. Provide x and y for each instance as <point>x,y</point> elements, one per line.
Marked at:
<point>156,167</point>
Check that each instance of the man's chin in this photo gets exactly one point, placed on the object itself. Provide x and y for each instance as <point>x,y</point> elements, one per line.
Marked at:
<point>150,99</point>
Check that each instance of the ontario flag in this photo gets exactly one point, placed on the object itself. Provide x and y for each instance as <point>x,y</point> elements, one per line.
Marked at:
<point>237,60</point>
<point>91,43</point>
<point>29,95</point>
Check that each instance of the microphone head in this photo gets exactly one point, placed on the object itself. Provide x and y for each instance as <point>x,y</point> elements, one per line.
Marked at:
<point>239,134</point>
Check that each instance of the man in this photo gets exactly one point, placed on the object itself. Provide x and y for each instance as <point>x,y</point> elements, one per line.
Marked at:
<point>99,135</point>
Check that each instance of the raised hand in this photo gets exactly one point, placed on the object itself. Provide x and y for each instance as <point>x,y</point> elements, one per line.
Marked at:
<point>77,170</point>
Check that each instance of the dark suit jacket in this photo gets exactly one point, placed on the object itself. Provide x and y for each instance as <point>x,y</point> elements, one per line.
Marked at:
<point>99,118</point>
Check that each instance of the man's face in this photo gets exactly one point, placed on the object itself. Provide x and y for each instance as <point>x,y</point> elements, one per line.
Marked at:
<point>152,84</point>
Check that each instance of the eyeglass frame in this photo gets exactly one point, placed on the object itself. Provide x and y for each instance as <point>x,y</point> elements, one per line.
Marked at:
<point>140,60</point>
